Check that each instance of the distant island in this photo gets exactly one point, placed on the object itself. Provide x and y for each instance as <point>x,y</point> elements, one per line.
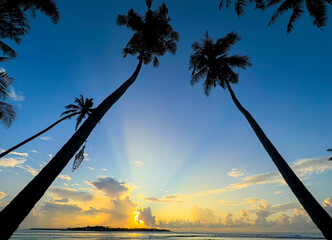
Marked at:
<point>105,229</point>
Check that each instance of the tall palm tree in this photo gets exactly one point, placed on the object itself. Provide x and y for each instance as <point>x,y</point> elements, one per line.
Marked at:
<point>317,9</point>
<point>153,37</point>
<point>14,19</point>
<point>81,110</point>
<point>210,61</point>
<point>7,112</point>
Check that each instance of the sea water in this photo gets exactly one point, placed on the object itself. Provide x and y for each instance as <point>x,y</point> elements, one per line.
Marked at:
<point>65,235</point>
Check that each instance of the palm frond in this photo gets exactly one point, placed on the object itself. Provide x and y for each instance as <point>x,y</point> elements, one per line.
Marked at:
<point>317,9</point>
<point>5,82</point>
<point>7,114</point>
<point>221,4</point>
<point>239,5</point>
<point>7,50</point>
<point>224,44</point>
<point>297,11</point>
<point>329,150</point>
<point>48,7</point>
<point>238,61</point>
<point>284,7</point>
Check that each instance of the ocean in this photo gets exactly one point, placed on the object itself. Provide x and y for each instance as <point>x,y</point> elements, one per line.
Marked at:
<point>65,235</point>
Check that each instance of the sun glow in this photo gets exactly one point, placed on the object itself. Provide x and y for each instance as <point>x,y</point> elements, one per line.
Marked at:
<point>136,222</point>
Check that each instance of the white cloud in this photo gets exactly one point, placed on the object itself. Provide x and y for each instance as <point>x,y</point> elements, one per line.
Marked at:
<point>104,169</point>
<point>34,151</point>
<point>328,205</point>
<point>64,177</point>
<point>204,215</point>
<point>11,162</point>
<point>47,138</point>
<point>235,173</point>
<point>17,153</point>
<point>15,96</point>
<point>139,163</point>
<point>91,168</point>
<point>29,169</point>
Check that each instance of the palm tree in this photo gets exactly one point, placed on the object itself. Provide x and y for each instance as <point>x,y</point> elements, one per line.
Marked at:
<point>81,110</point>
<point>14,20</point>
<point>7,112</point>
<point>153,37</point>
<point>210,60</point>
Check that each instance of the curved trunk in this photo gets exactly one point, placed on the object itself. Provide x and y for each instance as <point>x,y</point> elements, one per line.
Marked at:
<point>318,215</point>
<point>15,212</point>
<point>34,136</point>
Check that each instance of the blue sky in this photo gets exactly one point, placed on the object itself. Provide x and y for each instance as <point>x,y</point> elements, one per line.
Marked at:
<point>165,137</point>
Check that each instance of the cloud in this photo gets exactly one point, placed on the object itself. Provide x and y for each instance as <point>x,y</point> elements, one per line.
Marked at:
<point>64,177</point>
<point>17,153</point>
<point>29,169</point>
<point>11,162</point>
<point>47,138</point>
<point>2,195</point>
<point>303,168</point>
<point>203,215</point>
<point>15,96</point>
<point>18,162</point>
<point>139,163</point>
<point>173,198</point>
<point>104,169</point>
<point>278,192</point>
<point>328,206</point>
<point>70,193</point>
<point>91,168</point>
<point>145,215</point>
<point>232,203</point>
<point>34,151</point>
<point>112,187</point>
<point>235,173</point>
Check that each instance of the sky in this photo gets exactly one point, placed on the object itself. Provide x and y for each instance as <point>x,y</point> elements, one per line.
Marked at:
<point>166,155</point>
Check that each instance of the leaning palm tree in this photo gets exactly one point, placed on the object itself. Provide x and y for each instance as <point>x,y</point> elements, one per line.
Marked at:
<point>14,19</point>
<point>210,61</point>
<point>82,109</point>
<point>153,37</point>
<point>7,112</point>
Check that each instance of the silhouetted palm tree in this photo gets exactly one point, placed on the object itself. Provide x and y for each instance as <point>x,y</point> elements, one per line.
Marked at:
<point>153,37</point>
<point>316,9</point>
<point>81,110</point>
<point>211,61</point>
<point>14,19</point>
<point>7,112</point>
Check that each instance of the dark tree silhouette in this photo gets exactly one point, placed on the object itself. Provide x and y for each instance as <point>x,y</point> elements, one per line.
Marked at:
<point>153,37</point>
<point>14,19</point>
<point>317,9</point>
<point>81,110</point>
<point>7,112</point>
<point>211,61</point>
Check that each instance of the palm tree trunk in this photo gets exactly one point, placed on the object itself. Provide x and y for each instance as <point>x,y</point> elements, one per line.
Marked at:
<point>318,215</point>
<point>15,212</point>
<point>34,136</point>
